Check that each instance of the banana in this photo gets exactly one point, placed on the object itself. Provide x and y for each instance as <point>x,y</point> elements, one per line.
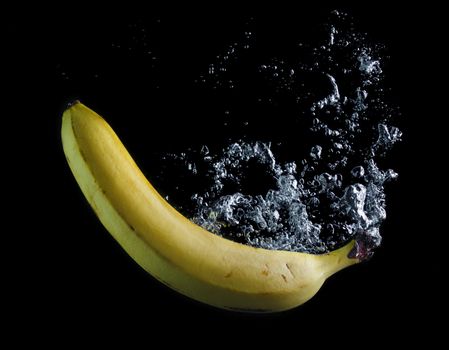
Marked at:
<point>180,254</point>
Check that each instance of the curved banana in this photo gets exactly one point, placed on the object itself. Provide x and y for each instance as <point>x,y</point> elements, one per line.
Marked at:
<point>177,252</point>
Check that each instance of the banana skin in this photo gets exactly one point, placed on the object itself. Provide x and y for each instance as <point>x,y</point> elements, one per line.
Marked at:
<point>179,253</point>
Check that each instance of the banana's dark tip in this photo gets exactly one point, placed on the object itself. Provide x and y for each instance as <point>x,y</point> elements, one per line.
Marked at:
<point>363,248</point>
<point>72,103</point>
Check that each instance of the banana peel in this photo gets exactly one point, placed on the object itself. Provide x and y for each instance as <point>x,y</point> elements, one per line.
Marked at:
<point>179,253</point>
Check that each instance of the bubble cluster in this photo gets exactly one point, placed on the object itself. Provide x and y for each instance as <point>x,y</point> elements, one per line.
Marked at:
<point>334,192</point>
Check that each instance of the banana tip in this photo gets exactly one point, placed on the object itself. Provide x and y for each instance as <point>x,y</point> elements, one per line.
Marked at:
<point>363,248</point>
<point>72,103</point>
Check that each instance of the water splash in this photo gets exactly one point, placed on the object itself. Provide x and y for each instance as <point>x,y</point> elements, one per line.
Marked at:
<point>335,192</point>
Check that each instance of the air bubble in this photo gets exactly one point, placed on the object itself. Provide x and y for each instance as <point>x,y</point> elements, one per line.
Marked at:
<point>330,191</point>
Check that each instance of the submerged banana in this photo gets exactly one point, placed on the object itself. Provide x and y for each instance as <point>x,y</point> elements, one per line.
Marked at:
<point>177,252</point>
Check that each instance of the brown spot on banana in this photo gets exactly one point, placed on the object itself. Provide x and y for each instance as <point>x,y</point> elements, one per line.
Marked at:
<point>266,271</point>
<point>284,278</point>
<point>289,269</point>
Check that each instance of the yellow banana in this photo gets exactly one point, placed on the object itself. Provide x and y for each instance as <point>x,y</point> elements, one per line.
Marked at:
<point>170,247</point>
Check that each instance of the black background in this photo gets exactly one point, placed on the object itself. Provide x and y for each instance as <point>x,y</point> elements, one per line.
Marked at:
<point>68,275</point>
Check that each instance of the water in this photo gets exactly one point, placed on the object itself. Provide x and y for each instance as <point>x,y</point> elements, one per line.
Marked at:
<point>254,192</point>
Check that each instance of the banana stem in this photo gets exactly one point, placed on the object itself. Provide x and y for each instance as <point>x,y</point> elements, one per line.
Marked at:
<point>339,259</point>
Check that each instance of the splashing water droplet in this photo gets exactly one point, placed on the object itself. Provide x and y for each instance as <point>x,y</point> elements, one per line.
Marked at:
<point>315,152</point>
<point>332,193</point>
